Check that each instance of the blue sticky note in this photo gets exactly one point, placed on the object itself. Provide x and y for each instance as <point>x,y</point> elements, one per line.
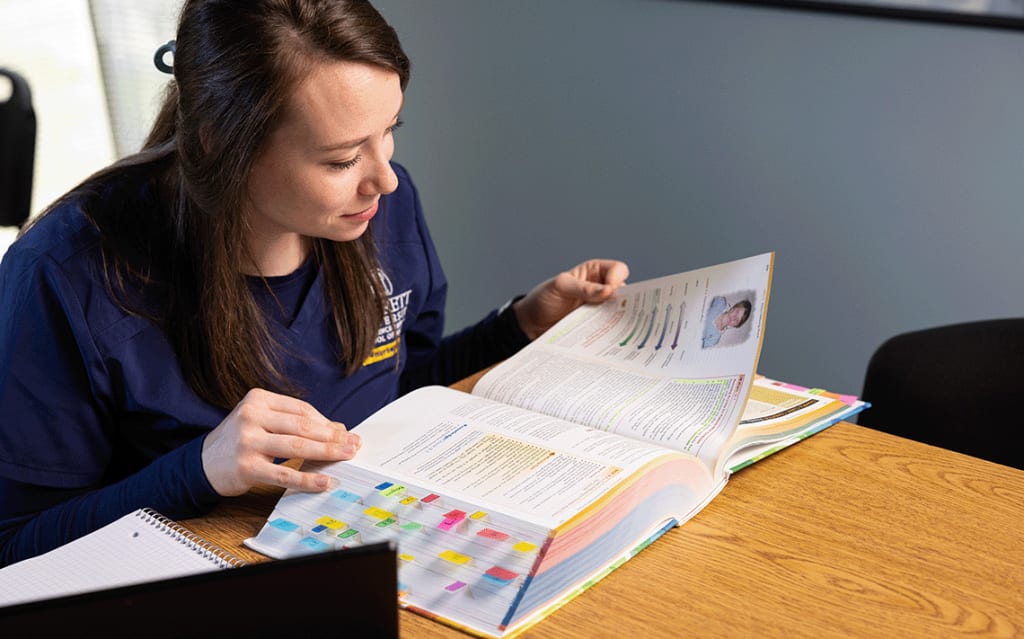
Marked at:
<point>344,495</point>
<point>314,544</point>
<point>285,525</point>
<point>495,580</point>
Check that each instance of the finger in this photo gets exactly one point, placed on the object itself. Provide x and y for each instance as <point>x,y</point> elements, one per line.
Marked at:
<point>273,445</point>
<point>616,273</point>
<point>611,272</point>
<point>279,475</point>
<point>307,425</point>
<point>572,287</point>
<point>282,403</point>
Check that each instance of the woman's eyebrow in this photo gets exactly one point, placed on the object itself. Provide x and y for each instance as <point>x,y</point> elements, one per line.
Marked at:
<point>351,144</point>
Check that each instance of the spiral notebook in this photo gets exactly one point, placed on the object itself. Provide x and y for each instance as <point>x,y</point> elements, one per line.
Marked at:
<point>144,571</point>
<point>142,546</point>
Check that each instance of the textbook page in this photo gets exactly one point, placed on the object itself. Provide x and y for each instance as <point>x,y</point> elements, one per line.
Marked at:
<point>650,362</point>
<point>778,415</point>
<point>498,457</point>
<point>498,512</point>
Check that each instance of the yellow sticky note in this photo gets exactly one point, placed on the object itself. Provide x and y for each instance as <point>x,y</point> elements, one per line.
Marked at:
<point>379,513</point>
<point>406,557</point>
<point>478,515</point>
<point>455,557</point>
<point>409,500</point>
<point>524,546</point>
<point>333,524</point>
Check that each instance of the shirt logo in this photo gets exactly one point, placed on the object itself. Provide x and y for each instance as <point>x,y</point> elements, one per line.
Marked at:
<point>389,334</point>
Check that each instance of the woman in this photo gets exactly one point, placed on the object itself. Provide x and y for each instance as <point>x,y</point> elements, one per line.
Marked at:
<point>721,317</point>
<point>258,276</point>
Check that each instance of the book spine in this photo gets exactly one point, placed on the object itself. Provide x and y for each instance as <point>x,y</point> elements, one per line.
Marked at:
<point>217,555</point>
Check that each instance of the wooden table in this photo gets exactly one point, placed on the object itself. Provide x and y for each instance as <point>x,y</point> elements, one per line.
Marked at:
<point>851,533</point>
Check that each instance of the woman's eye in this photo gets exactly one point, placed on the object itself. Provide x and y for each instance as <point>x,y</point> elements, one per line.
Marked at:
<point>347,164</point>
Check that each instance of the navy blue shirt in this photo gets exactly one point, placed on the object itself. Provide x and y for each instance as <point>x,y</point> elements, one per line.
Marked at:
<point>96,418</point>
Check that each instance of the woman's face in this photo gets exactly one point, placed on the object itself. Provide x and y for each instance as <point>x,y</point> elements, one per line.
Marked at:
<point>325,167</point>
<point>735,316</point>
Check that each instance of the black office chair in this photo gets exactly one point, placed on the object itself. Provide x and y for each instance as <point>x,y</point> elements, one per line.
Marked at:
<point>17,151</point>
<point>958,387</point>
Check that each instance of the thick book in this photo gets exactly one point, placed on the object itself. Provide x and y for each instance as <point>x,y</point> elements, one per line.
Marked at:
<point>619,423</point>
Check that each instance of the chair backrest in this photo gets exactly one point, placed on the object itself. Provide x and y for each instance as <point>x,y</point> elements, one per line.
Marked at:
<point>17,150</point>
<point>956,386</point>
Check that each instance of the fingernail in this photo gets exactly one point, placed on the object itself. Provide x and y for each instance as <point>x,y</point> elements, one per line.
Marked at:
<point>355,440</point>
<point>322,482</point>
<point>349,449</point>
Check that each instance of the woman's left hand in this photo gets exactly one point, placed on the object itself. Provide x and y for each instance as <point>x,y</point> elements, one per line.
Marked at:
<point>591,282</point>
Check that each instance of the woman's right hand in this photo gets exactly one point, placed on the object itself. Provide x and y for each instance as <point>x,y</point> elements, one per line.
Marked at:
<point>240,452</point>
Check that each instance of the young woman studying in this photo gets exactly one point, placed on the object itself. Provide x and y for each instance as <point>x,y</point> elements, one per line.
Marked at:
<point>257,277</point>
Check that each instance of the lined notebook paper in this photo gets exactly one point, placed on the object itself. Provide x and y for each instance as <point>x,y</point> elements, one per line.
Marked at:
<point>140,547</point>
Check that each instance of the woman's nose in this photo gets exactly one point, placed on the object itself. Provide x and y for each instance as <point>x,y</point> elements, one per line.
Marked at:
<point>381,178</point>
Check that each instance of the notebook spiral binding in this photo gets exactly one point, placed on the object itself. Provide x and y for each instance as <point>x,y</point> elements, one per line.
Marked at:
<point>207,549</point>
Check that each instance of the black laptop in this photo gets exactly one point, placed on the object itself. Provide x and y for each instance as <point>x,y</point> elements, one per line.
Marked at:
<point>342,593</point>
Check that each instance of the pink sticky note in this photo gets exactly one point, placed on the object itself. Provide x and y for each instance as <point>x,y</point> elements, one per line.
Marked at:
<point>490,533</point>
<point>501,573</point>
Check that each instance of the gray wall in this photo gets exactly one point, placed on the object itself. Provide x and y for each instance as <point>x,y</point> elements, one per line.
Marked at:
<point>883,160</point>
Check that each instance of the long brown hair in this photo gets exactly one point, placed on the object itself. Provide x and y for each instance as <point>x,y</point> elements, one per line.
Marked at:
<point>236,62</point>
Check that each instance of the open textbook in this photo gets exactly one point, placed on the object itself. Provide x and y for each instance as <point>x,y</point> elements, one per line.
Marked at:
<point>620,422</point>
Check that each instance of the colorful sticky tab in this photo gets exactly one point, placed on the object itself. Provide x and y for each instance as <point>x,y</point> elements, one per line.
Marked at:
<point>429,498</point>
<point>456,558</point>
<point>384,523</point>
<point>411,526</point>
<point>409,501</point>
<point>319,529</point>
<point>501,574</point>
<point>344,495</point>
<point>377,513</point>
<point>455,586</point>
<point>490,533</point>
<point>406,557</point>
<point>491,580</point>
<point>391,491</point>
<point>331,523</point>
<point>383,486</point>
<point>478,515</point>
<point>451,519</point>
<point>524,546</point>
<point>348,534</point>
<point>284,525</point>
<point>314,544</point>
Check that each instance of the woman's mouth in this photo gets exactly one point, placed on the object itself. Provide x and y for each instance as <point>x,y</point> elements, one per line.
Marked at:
<point>363,216</point>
